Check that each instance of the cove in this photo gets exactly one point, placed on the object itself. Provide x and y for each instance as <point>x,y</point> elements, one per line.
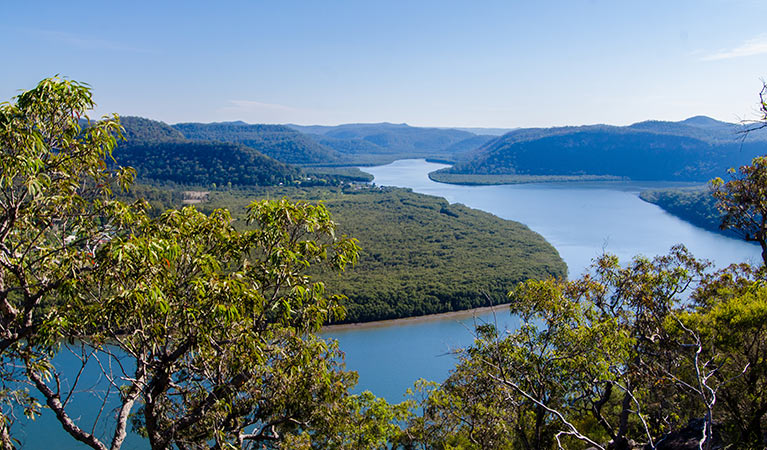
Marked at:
<point>581,220</point>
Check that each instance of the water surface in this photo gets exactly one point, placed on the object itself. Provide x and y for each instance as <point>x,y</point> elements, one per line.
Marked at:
<point>582,220</point>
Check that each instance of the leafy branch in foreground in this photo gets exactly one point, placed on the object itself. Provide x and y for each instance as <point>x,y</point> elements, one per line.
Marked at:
<point>204,334</point>
<point>55,208</point>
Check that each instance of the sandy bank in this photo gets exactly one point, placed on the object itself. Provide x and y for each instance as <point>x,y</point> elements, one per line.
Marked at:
<point>453,315</point>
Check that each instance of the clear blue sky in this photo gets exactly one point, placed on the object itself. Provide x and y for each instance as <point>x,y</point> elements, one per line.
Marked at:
<point>429,63</point>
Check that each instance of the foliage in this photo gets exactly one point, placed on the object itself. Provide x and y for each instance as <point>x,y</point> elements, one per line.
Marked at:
<point>204,333</point>
<point>732,317</point>
<point>208,332</point>
<point>595,360</point>
<point>743,202</point>
<point>55,208</point>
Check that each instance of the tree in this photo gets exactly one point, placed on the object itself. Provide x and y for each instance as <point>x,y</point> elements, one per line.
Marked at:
<point>204,333</point>
<point>731,319</point>
<point>591,364</point>
<point>743,202</point>
<point>55,207</point>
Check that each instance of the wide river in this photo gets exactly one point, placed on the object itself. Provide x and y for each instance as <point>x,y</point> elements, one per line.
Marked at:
<point>582,220</point>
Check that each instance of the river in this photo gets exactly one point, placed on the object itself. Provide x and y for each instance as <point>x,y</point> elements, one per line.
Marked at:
<point>580,219</point>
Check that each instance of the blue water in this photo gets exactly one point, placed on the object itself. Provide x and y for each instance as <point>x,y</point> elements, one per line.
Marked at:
<point>581,220</point>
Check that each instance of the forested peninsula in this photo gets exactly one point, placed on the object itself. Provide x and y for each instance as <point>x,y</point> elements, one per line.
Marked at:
<point>419,254</point>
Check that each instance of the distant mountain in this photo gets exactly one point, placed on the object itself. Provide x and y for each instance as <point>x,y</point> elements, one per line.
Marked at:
<point>160,152</point>
<point>485,131</point>
<point>705,122</point>
<point>364,140</point>
<point>277,141</point>
<point>696,149</point>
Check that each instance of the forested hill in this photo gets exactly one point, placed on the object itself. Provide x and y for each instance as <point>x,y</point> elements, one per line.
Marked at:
<point>366,143</point>
<point>277,141</point>
<point>695,149</point>
<point>160,152</point>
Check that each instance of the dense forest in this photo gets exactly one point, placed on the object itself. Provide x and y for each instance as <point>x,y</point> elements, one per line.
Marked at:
<point>696,149</point>
<point>159,152</point>
<point>419,254</point>
<point>276,141</point>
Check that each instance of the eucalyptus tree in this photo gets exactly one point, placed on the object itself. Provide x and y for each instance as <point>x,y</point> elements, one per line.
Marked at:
<point>585,367</point>
<point>55,207</point>
<point>206,333</point>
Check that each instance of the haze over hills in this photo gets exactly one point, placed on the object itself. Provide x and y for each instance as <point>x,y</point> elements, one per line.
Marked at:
<point>384,142</point>
<point>695,149</point>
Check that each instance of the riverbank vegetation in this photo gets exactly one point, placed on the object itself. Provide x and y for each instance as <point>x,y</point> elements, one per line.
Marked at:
<point>693,204</point>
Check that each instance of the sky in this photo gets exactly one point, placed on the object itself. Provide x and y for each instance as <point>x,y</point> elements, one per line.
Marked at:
<point>442,63</point>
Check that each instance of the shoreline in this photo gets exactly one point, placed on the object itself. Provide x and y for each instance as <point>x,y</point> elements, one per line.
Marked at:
<point>415,319</point>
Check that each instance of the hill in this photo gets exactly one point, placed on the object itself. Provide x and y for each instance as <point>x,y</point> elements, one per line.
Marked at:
<point>140,130</point>
<point>696,149</point>
<point>162,153</point>
<point>276,141</point>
